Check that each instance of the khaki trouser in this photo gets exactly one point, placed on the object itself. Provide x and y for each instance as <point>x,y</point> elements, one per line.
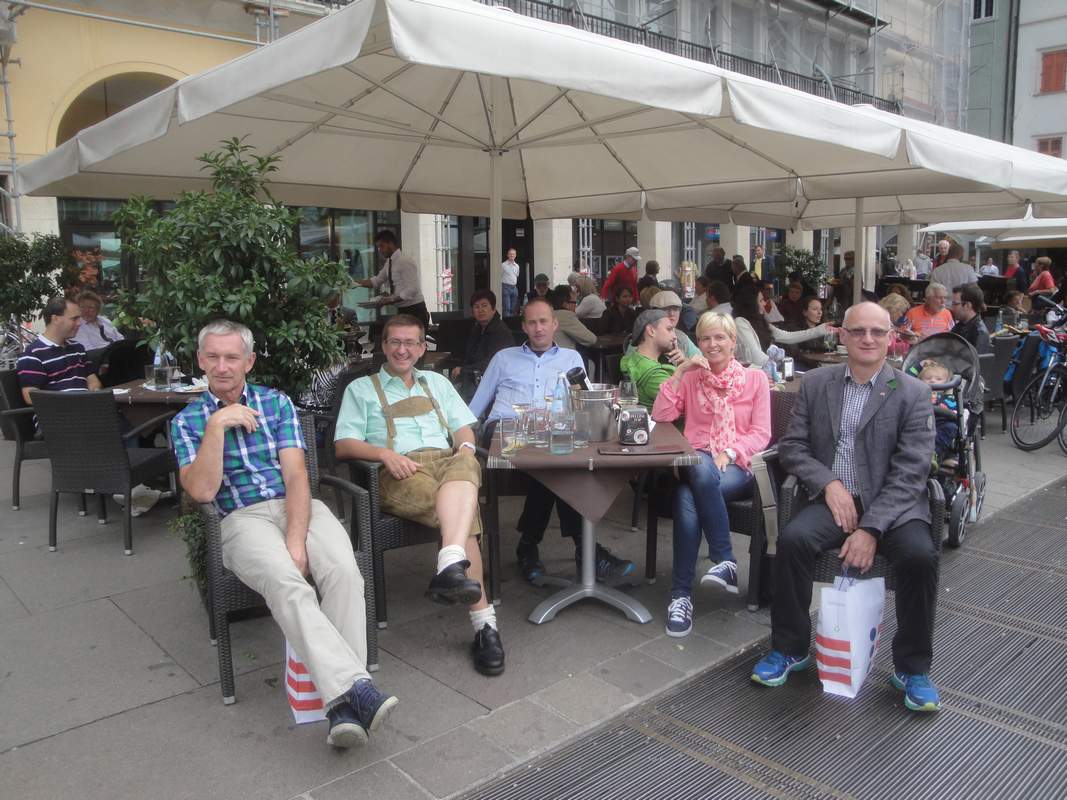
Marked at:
<point>331,640</point>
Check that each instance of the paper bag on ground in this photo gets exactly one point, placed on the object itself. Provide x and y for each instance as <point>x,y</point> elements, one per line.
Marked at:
<point>850,626</point>
<point>304,699</point>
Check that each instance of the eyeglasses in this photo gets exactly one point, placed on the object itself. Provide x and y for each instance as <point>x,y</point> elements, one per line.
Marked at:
<point>863,333</point>
<point>410,344</point>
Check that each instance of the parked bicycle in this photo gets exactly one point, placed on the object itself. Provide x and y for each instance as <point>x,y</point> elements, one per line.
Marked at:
<point>1038,416</point>
<point>12,342</point>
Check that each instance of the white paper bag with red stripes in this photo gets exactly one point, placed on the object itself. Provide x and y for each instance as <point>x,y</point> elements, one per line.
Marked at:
<point>850,627</point>
<point>304,699</point>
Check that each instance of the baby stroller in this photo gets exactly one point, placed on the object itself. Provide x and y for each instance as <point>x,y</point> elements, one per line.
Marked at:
<point>960,475</point>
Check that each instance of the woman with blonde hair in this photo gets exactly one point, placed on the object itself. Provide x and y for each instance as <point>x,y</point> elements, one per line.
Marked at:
<point>901,338</point>
<point>727,410</point>
<point>647,294</point>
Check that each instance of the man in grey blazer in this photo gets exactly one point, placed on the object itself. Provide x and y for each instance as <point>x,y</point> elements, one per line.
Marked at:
<point>860,442</point>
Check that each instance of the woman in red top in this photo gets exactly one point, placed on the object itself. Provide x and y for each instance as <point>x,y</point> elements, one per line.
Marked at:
<point>727,411</point>
<point>1043,282</point>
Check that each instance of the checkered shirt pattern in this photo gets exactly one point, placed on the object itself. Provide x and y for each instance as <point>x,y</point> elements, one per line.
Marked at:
<point>251,470</point>
<point>855,398</point>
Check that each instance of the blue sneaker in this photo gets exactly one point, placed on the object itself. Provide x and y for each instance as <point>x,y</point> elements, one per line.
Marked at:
<point>680,617</point>
<point>370,705</point>
<point>723,575</point>
<point>774,668</point>
<point>919,693</point>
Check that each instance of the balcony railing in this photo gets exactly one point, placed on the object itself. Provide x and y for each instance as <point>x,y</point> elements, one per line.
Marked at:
<point>568,15</point>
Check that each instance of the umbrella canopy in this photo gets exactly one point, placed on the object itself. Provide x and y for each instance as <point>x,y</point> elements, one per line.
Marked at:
<point>449,106</point>
<point>1005,230</point>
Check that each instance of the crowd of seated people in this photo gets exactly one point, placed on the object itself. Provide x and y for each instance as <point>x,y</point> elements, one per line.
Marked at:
<point>421,428</point>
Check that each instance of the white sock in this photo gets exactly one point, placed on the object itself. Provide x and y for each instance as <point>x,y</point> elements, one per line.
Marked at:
<point>482,616</point>
<point>447,556</point>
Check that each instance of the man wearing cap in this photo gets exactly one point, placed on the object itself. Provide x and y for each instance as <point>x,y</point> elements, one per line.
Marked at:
<point>540,288</point>
<point>624,272</point>
<point>672,304</point>
<point>653,338</point>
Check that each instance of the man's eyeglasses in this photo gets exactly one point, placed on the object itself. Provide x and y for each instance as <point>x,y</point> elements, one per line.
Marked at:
<point>410,344</point>
<point>863,333</point>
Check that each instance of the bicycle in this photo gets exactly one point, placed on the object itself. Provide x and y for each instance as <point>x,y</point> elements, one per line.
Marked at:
<point>13,340</point>
<point>1038,416</point>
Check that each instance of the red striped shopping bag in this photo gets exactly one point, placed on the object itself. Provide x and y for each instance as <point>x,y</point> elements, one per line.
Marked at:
<point>304,699</point>
<point>850,627</point>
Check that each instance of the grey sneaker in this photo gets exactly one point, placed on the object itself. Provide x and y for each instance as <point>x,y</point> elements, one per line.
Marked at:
<point>723,575</point>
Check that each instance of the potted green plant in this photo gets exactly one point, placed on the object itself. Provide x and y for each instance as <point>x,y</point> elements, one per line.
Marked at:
<point>795,259</point>
<point>230,252</point>
<point>30,272</point>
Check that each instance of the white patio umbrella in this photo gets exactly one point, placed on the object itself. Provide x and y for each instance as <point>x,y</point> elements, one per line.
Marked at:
<point>1005,230</point>
<point>449,106</point>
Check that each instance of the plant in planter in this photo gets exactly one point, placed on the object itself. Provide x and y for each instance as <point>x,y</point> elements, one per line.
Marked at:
<point>230,253</point>
<point>794,259</point>
<point>190,527</point>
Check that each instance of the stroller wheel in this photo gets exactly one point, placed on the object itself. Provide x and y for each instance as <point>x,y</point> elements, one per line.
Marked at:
<point>959,516</point>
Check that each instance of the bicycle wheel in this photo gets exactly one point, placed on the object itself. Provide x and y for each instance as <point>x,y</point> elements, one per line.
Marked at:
<point>1035,419</point>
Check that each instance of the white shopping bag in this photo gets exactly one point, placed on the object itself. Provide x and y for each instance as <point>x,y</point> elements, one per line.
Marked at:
<point>304,699</point>
<point>850,627</point>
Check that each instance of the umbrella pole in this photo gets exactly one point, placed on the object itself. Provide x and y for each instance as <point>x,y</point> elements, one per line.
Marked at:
<point>497,93</point>
<point>860,260</point>
<point>496,232</point>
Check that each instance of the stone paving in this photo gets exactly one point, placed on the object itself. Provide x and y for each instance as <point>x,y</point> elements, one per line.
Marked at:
<point>109,685</point>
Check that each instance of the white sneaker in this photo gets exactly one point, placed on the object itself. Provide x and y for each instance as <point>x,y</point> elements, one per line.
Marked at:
<point>144,499</point>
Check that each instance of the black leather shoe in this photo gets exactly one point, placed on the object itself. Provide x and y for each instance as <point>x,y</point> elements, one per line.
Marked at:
<point>488,651</point>
<point>451,585</point>
<point>345,728</point>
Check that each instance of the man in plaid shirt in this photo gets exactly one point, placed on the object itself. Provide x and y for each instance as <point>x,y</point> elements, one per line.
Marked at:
<point>240,446</point>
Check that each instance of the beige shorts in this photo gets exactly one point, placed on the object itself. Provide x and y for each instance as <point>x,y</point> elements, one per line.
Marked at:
<point>415,498</point>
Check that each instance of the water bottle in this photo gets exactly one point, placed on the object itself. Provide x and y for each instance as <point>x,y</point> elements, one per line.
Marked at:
<point>561,422</point>
<point>1000,321</point>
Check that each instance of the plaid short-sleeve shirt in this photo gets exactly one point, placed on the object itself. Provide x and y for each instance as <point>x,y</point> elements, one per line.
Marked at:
<point>251,469</point>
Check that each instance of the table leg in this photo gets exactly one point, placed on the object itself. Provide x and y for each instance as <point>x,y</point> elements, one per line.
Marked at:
<point>588,588</point>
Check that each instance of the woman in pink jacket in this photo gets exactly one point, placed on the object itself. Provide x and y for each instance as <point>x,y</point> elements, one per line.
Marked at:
<point>727,411</point>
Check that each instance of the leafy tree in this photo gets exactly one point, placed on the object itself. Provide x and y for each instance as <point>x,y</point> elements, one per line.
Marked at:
<point>30,271</point>
<point>795,259</point>
<point>230,253</point>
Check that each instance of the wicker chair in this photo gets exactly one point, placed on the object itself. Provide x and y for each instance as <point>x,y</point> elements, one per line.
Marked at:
<point>386,531</point>
<point>227,595</point>
<point>793,498</point>
<point>88,452</point>
<point>993,370</point>
<point>18,425</point>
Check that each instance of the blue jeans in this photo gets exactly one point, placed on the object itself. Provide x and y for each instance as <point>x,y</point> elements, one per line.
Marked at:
<point>511,298</point>
<point>700,504</point>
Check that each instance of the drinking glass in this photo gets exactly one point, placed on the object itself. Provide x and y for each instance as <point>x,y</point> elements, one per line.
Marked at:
<point>537,432</point>
<point>583,421</point>
<point>627,393</point>
<point>509,430</point>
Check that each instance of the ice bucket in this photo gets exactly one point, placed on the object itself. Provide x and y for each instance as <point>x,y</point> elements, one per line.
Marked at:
<point>601,400</point>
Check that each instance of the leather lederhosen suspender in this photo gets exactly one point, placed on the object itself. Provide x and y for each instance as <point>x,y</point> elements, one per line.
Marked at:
<point>406,408</point>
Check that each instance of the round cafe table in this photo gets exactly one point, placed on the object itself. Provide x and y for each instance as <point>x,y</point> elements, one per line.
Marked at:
<point>589,479</point>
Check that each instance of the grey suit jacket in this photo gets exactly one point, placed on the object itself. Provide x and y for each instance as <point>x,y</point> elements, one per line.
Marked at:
<point>894,443</point>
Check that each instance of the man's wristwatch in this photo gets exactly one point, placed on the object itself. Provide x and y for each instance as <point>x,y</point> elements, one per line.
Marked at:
<point>731,454</point>
<point>467,444</point>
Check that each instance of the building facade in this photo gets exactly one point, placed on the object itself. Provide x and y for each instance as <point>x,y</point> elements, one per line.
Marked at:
<point>75,62</point>
<point>1040,119</point>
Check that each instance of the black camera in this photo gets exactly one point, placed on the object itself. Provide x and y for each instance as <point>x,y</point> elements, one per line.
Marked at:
<point>634,425</point>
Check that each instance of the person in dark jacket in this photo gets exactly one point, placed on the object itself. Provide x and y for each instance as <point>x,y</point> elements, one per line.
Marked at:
<point>968,304</point>
<point>488,336</point>
<point>650,278</point>
<point>620,315</point>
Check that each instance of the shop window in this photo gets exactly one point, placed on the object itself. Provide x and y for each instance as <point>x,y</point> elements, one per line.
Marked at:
<point>1051,146</point>
<point>1054,71</point>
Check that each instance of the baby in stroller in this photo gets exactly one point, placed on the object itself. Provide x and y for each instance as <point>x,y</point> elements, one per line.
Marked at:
<point>934,373</point>
<point>951,367</point>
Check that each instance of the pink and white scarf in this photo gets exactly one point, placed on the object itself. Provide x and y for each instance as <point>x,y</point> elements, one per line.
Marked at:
<point>715,396</point>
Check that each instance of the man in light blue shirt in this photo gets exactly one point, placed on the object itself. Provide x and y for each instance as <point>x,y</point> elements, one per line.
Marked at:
<point>528,374</point>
